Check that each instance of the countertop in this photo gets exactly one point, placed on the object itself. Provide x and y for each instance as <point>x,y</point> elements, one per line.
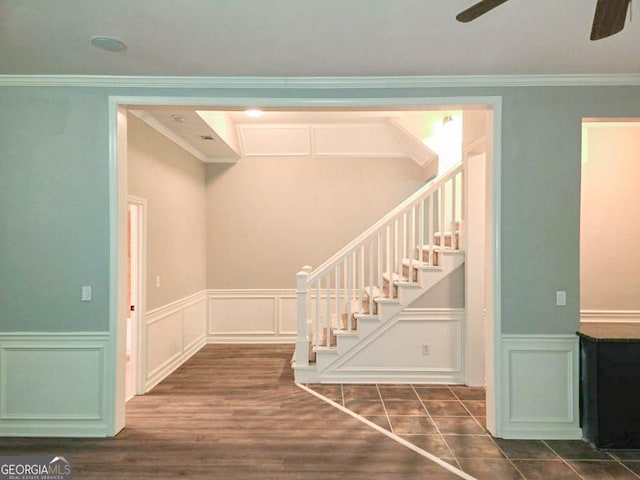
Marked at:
<point>611,332</point>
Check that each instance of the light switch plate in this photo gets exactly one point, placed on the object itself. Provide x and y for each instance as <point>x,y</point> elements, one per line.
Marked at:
<point>561,298</point>
<point>86,293</point>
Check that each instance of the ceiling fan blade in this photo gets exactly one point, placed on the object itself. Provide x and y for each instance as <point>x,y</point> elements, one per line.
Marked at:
<point>478,9</point>
<point>609,18</point>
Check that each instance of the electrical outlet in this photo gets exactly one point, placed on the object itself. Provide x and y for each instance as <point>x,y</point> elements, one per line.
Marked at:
<point>425,349</point>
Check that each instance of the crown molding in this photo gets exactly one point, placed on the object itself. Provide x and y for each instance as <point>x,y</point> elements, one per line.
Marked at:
<point>439,81</point>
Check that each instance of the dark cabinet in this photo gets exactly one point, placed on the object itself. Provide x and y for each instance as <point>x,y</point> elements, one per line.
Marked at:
<point>610,388</point>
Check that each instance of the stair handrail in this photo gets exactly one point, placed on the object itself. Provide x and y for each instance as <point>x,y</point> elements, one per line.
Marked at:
<point>420,194</point>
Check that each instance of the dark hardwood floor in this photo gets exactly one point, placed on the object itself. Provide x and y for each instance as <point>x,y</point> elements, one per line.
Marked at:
<point>233,412</point>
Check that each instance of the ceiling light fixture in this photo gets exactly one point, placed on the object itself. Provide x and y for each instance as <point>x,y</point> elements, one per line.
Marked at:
<point>109,44</point>
<point>253,112</point>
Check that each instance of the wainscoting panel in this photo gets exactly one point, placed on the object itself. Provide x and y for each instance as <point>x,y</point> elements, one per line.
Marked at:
<point>251,316</point>
<point>194,323</point>
<point>174,333</point>
<point>540,380</point>
<point>53,384</point>
<point>419,345</point>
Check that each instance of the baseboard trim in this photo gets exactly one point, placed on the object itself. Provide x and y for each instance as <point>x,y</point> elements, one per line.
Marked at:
<point>251,339</point>
<point>365,376</point>
<point>551,434</point>
<point>34,430</point>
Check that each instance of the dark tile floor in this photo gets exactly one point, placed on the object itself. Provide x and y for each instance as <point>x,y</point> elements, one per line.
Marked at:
<point>449,422</point>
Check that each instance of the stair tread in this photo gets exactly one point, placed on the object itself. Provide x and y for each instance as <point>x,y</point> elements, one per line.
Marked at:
<point>393,300</point>
<point>366,316</point>
<point>342,332</point>
<point>439,249</point>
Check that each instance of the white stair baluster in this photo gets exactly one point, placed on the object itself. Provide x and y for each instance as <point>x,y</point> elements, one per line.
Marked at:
<point>327,320</point>
<point>380,270</point>
<point>390,241</point>
<point>412,242</point>
<point>453,213</point>
<point>302,337</point>
<point>432,218</point>
<point>441,220</point>
<point>316,337</point>
<point>338,296</point>
<point>421,215</point>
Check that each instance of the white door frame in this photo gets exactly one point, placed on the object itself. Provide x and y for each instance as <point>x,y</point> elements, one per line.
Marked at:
<point>140,332</point>
<point>118,204</point>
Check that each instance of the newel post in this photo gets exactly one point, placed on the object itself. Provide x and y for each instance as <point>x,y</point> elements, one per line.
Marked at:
<point>302,338</point>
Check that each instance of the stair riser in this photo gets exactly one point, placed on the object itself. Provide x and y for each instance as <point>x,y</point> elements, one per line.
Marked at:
<point>447,240</point>
<point>436,258</point>
<point>405,272</point>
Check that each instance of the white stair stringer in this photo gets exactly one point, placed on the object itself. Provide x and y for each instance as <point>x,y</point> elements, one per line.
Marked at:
<point>372,327</point>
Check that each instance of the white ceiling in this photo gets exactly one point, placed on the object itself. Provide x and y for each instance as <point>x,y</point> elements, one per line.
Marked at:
<point>233,133</point>
<point>309,38</point>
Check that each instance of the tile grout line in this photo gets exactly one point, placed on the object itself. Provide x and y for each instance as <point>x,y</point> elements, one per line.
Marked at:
<point>617,460</point>
<point>487,434</point>
<point>467,409</point>
<point>436,426</point>
<point>564,460</point>
<point>393,436</point>
<point>384,407</point>
<point>621,463</point>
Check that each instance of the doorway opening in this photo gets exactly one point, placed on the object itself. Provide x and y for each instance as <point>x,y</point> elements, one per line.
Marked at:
<point>136,260</point>
<point>489,267</point>
<point>609,221</point>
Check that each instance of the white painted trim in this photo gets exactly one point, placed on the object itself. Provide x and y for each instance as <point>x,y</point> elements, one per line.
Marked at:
<point>57,424</point>
<point>277,334</point>
<point>117,175</point>
<point>171,135</point>
<point>169,365</point>
<point>155,314</point>
<point>617,316</point>
<point>342,82</point>
<point>166,369</point>
<point>416,150</point>
<point>46,336</point>
<point>335,372</point>
<point>141,332</point>
<point>528,424</point>
<point>493,373</point>
<point>251,339</point>
<point>473,146</point>
<point>390,434</point>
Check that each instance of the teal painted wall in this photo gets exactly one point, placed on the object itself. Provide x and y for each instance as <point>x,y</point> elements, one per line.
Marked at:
<point>54,201</point>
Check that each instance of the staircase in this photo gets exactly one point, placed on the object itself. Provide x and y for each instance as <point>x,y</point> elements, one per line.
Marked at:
<point>353,297</point>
